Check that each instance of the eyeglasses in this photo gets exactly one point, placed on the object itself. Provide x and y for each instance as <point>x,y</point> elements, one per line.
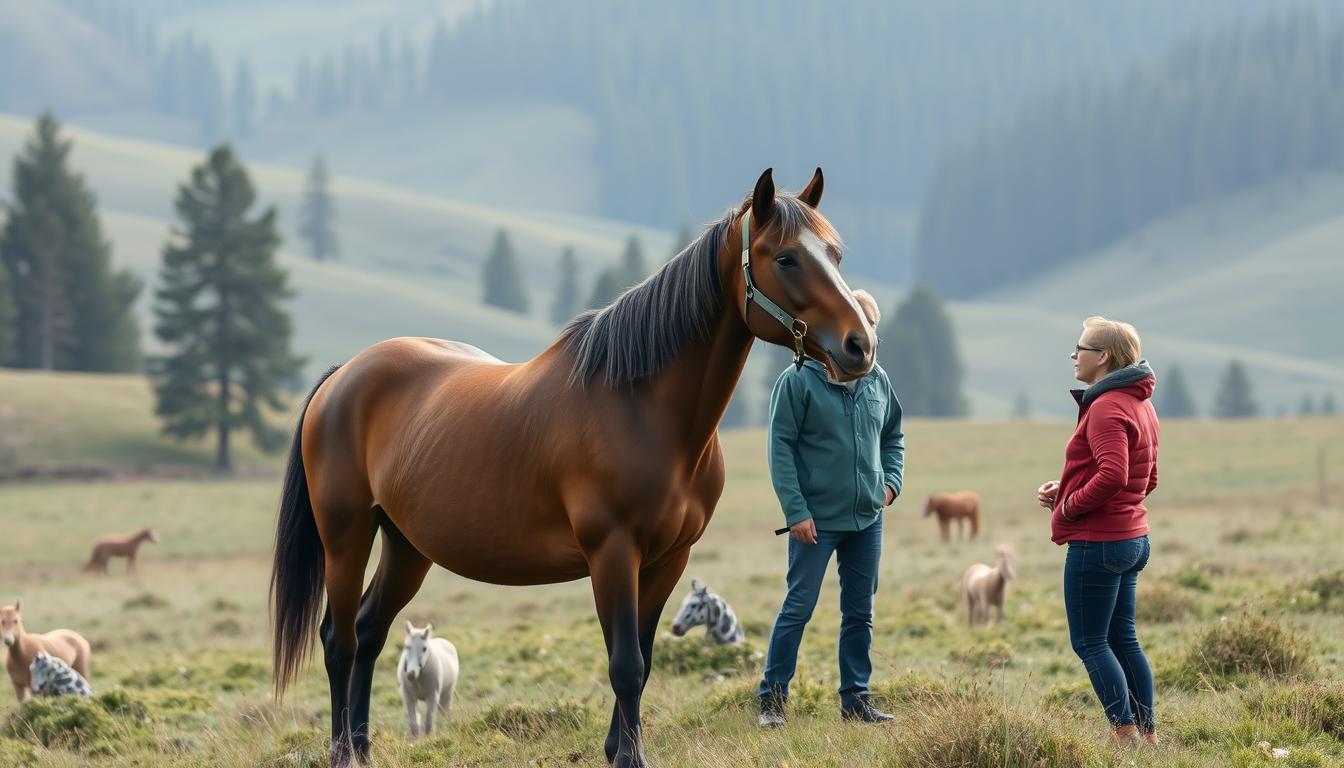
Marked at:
<point>1080,348</point>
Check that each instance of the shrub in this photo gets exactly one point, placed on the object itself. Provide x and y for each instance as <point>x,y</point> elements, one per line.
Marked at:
<point>976,732</point>
<point>691,655</point>
<point>1161,603</point>
<point>96,725</point>
<point>526,721</point>
<point>146,600</point>
<point>1317,707</point>
<point>1192,577</point>
<point>992,654</point>
<point>1246,646</point>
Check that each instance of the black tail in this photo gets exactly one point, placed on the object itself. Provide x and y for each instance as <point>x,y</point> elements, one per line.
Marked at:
<point>299,570</point>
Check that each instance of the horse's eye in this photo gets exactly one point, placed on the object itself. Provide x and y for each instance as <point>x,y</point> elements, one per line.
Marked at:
<point>787,259</point>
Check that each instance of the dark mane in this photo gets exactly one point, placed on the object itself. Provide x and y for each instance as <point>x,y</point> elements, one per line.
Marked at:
<point>648,325</point>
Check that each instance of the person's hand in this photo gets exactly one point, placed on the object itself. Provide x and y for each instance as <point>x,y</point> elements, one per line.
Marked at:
<point>1047,494</point>
<point>805,532</point>
<point>891,496</point>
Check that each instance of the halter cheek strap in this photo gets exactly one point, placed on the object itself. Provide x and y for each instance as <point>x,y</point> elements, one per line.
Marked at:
<point>795,325</point>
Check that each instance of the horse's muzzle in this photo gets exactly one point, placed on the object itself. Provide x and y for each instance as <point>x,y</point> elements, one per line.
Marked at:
<point>677,630</point>
<point>9,641</point>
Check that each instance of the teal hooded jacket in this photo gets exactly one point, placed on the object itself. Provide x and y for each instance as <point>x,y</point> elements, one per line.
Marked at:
<point>832,452</point>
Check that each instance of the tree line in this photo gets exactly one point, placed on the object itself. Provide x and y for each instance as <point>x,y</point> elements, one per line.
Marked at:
<point>1097,160</point>
<point>218,303</point>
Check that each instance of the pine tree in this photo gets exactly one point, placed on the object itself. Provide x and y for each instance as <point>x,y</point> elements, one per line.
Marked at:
<point>503,279</point>
<point>1308,406</point>
<point>1022,406</point>
<point>633,269</point>
<point>219,313</point>
<point>919,353</point>
<point>567,290</point>
<point>74,312</point>
<point>1173,396</point>
<point>7,315</point>
<point>1328,405</point>
<point>1235,399</point>
<point>317,216</point>
<point>609,285</point>
<point>244,100</point>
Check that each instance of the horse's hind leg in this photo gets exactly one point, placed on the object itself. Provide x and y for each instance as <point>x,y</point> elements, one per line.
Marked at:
<point>401,571</point>
<point>347,540</point>
<point>655,586</point>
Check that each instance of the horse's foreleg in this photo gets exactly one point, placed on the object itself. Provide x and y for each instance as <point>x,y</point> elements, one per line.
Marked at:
<point>401,571</point>
<point>656,584</point>
<point>614,567</point>
<point>943,526</point>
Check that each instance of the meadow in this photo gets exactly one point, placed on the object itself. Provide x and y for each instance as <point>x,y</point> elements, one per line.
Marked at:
<point>1242,611</point>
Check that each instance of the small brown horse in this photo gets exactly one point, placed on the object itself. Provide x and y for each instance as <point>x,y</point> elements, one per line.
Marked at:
<point>962,506</point>
<point>599,457</point>
<point>119,545</point>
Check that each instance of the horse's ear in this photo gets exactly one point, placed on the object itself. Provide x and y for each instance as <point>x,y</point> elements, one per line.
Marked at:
<point>410,628</point>
<point>18,605</point>
<point>429,629</point>
<point>697,585</point>
<point>811,194</point>
<point>763,199</point>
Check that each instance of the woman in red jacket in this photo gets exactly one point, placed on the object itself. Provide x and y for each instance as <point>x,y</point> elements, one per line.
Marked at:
<point>1110,467</point>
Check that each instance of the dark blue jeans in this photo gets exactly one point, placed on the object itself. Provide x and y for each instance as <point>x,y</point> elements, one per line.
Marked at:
<point>858,554</point>
<point>1100,578</point>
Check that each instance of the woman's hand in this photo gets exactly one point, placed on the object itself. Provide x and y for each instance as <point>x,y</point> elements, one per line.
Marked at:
<point>1047,494</point>
<point>806,531</point>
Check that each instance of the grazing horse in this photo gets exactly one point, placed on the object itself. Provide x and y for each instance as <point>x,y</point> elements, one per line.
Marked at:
<point>599,457</point>
<point>123,545</point>
<point>962,506</point>
<point>982,586</point>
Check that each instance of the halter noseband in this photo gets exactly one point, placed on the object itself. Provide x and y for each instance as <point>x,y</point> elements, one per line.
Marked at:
<point>795,325</point>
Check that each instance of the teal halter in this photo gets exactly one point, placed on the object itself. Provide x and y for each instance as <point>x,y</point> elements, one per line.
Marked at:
<point>795,325</point>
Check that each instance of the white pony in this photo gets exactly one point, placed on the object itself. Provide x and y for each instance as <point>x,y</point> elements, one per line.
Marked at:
<point>427,672</point>
<point>982,586</point>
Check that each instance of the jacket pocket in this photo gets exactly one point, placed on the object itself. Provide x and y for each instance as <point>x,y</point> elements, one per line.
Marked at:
<point>1121,556</point>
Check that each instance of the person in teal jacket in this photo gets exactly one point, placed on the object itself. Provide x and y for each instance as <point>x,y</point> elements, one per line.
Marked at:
<point>836,459</point>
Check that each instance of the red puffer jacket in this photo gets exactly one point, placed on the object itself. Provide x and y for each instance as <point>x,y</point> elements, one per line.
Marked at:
<point>1110,463</point>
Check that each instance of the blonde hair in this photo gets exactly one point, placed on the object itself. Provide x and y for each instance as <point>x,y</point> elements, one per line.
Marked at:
<point>1118,339</point>
<point>869,306</point>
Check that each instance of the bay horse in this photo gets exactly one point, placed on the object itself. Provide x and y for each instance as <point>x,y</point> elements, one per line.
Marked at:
<point>600,457</point>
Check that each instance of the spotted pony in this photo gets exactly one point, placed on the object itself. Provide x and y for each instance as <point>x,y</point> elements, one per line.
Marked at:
<point>53,677</point>
<point>705,607</point>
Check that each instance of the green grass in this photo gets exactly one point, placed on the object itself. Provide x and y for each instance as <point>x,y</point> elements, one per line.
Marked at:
<point>187,639</point>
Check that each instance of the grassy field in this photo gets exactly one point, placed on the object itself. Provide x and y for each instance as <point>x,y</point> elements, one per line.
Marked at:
<point>1240,537</point>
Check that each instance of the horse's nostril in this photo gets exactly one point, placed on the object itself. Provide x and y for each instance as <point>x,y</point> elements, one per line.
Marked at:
<point>855,346</point>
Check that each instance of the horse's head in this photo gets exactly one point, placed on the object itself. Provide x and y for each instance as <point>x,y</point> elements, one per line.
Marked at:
<point>149,535</point>
<point>788,287</point>
<point>416,648</point>
<point>11,623</point>
<point>1007,560</point>
<point>694,609</point>
<point>928,506</point>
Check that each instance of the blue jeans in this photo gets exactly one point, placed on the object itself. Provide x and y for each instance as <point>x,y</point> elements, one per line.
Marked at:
<point>1100,578</point>
<point>858,554</point>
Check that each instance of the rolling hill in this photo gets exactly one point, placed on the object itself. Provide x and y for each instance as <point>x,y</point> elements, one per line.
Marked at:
<point>1255,276</point>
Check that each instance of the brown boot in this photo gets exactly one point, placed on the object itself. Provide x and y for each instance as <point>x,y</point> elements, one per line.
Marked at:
<point>1151,738</point>
<point>1128,735</point>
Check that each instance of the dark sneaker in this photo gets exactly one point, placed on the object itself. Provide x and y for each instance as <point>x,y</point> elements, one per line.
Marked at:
<point>859,707</point>
<point>772,710</point>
